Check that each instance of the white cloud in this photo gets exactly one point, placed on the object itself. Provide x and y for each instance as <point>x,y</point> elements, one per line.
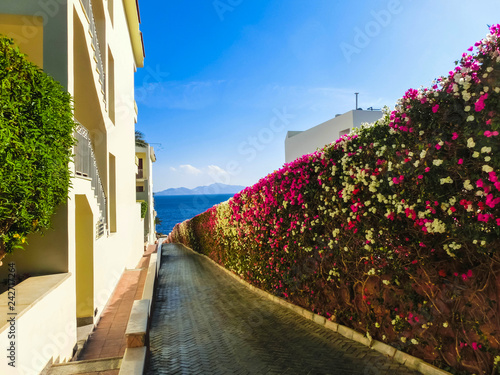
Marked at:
<point>189,169</point>
<point>215,170</point>
<point>218,174</point>
<point>173,169</point>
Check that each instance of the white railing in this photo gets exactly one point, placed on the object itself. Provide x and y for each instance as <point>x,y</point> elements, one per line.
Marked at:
<point>87,5</point>
<point>86,166</point>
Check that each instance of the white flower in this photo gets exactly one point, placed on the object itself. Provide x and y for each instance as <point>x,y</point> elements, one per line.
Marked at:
<point>436,226</point>
<point>485,150</point>
<point>445,324</point>
<point>403,339</point>
<point>414,342</point>
<point>386,282</point>
<point>446,180</point>
<point>437,162</point>
<point>470,118</point>
<point>467,107</point>
<point>487,158</point>
<point>487,168</point>
<point>470,143</point>
<point>475,154</point>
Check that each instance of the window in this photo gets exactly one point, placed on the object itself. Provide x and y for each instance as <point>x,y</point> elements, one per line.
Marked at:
<point>344,132</point>
<point>111,86</point>
<point>140,170</point>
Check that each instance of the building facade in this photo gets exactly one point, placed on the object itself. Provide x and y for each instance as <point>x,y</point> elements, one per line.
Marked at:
<point>92,47</point>
<point>298,143</point>
<point>144,189</point>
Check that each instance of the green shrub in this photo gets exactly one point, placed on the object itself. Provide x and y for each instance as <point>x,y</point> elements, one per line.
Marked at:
<point>36,139</point>
<point>144,209</point>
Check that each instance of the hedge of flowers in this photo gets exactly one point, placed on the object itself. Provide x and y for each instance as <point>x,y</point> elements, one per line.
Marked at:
<point>393,230</point>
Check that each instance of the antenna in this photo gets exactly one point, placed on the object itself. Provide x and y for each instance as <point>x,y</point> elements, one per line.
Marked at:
<point>356,93</point>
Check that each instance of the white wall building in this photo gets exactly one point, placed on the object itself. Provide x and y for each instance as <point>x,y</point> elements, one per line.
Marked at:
<point>92,47</point>
<point>144,189</point>
<point>298,143</point>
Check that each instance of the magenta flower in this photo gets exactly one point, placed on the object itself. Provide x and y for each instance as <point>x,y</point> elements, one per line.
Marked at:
<point>435,108</point>
<point>479,106</point>
<point>460,161</point>
<point>488,133</point>
<point>483,217</point>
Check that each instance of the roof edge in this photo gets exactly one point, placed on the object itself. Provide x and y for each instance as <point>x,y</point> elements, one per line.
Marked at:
<point>133,21</point>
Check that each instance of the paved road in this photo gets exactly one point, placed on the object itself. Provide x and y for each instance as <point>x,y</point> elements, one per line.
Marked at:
<point>204,322</point>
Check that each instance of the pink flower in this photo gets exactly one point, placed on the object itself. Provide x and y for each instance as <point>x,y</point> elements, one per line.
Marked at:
<point>455,136</point>
<point>435,108</point>
<point>474,345</point>
<point>438,146</point>
<point>483,217</point>
<point>427,169</point>
<point>479,106</point>
<point>460,161</point>
<point>420,176</point>
<point>488,133</point>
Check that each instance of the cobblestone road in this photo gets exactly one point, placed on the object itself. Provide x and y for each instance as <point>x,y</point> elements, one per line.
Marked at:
<point>204,322</point>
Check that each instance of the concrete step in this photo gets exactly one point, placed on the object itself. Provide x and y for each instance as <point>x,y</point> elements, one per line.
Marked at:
<point>82,367</point>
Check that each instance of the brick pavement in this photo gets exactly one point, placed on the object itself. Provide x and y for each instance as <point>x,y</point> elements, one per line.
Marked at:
<point>204,322</point>
<point>108,338</point>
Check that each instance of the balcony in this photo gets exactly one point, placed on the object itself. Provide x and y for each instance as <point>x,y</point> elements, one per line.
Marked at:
<point>87,5</point>
<point>86,166</point>
<point>140,173</point>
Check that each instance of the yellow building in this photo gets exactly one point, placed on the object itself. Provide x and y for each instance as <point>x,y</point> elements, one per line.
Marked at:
<point>92,47</point>
<point>144,189</point>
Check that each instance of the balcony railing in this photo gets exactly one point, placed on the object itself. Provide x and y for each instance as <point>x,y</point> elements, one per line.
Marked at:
<point>140,173</point>
<point>87,5</point>
<point>86,166</point>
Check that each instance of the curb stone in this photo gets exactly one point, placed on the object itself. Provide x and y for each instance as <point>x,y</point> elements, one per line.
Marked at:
<point>134,360</point>
<point>405,359</point>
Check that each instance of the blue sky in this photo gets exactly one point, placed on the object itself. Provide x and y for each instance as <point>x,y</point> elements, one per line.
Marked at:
<point>225,80</point>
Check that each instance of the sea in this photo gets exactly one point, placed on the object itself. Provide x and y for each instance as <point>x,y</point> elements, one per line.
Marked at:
<point>173,209</point>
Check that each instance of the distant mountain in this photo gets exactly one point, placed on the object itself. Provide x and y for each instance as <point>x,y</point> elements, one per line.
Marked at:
<point>203,190</point>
